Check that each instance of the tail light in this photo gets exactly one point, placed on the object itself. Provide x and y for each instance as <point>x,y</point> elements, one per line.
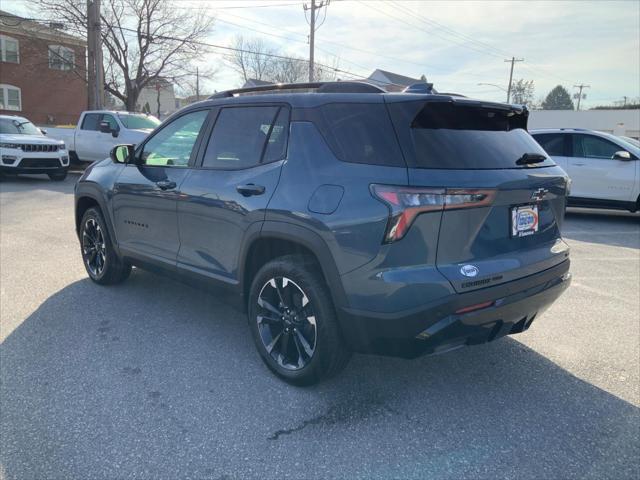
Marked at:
<point>406,203</point>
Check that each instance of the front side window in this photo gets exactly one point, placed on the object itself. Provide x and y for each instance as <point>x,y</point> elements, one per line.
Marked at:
<point>113,124</point>
<point>553,143</point>
<point>91,121</point>
<point>173,144</point>
<point>590,146</point>
<point>240,135</point>
<point>9,49</point>
<point>61,58</point>
<point>10,98</point>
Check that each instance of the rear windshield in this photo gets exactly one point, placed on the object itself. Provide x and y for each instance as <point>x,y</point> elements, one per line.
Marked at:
<point>449,136</point>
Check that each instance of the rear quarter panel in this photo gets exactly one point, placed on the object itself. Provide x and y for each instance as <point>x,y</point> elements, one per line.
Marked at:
<point>311,181</point>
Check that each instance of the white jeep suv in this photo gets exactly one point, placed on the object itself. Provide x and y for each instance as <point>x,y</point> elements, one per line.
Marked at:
<point>24,148</point>
<point>604,169</point>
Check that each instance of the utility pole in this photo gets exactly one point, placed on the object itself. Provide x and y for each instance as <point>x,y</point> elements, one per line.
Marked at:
<point>312,24</point>
<point>513,60</point>
<point>579,94</point>
<point>95,74</point>
<point>197,85</point>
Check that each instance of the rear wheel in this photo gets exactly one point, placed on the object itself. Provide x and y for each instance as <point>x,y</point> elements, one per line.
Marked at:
<point>293,321</point>
<point>100,258</point>
<point>58,177</point>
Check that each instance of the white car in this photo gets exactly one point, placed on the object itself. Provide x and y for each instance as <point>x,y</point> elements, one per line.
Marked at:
<point>604,169</point>
<point>98,131</point>
<point>25,149</point>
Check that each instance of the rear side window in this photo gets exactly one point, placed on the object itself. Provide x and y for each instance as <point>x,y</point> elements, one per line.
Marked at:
<point>552,143</point>
<point>91,121</point>
<point>242,135</point>
<point>359,133</point>
<point>445,135</point>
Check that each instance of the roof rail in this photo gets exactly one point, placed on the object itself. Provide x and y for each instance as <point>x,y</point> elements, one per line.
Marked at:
<point>319,87</point>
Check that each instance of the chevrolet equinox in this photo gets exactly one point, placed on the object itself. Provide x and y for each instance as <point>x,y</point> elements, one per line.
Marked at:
<point>342,218</point>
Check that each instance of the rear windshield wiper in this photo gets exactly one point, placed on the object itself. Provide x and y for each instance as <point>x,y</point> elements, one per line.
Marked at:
<point>529,158</point>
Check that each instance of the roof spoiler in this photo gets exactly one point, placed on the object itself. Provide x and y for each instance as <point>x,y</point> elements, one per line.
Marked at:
<point>421,87</point>
<point>319,87</point>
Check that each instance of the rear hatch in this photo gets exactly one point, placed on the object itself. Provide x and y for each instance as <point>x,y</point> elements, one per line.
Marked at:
<point>504,197</point>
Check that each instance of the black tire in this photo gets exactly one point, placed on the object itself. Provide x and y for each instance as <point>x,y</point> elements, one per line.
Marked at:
<point>58,177</point>
<point>100,259</point>
<point>297,278</point>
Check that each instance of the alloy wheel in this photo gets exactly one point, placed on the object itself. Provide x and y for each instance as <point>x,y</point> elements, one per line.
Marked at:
<point>286,323</point>
<point>93,247</point>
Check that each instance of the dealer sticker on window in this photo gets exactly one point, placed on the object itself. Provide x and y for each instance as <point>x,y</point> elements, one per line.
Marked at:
<point>524,220</point>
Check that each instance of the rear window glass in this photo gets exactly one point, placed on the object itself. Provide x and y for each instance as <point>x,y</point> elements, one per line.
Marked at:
<point>448,136</point>
<point>552,143</point>
<point>359,133</point>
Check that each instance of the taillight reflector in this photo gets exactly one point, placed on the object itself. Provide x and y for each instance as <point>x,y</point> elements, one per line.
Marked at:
<point>406,203</point>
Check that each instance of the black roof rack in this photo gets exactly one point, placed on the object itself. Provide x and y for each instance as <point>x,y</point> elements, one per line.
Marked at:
<point>319,87</point>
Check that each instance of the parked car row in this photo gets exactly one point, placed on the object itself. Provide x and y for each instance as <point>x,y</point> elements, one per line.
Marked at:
<point>28,149</point>
<point>98,131</point>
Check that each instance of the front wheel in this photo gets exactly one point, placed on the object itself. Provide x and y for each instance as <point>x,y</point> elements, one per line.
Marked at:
<point>293,321</point>
<point>100,258</point>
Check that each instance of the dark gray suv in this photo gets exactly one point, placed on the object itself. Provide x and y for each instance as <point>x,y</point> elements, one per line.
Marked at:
<point>342,218</point>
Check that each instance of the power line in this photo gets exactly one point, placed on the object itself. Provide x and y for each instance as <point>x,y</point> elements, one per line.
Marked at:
<point>341,45</point>
<point>450,31</point>
<point>402,20</point>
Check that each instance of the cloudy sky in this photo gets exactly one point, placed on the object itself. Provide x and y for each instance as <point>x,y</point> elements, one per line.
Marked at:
<point>455,44</point>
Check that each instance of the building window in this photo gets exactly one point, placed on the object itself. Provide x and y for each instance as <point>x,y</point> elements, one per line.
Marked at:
<point>9,50</point>
<point>61,58</point>
<point>10,98</point>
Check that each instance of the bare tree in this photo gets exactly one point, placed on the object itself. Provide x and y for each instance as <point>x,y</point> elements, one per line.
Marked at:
<point>143,40</point>
<point>522,92</point>
<point>255,59</point>
<point>252,59</point>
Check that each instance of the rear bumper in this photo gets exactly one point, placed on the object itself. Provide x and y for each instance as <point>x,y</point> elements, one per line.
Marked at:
<point>435,327</point>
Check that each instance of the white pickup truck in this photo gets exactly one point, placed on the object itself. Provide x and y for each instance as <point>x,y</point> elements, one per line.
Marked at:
<point>98,131</point>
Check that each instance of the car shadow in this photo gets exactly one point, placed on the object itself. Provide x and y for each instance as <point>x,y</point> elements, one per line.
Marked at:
<point>155,379</point>
<point>26,183</point>
<point>607,227</point>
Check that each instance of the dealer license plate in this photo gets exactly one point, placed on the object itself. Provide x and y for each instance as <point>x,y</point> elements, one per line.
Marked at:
<point>524,220</point>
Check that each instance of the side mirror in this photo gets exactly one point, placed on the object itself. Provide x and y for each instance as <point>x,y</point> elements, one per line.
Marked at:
<point>122,153</point>
<point>105,127</point>
<point>43,131</point>
<point>621,155</point>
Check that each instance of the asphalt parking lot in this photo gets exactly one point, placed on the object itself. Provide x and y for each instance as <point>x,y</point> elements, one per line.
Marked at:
<point>153,379</point>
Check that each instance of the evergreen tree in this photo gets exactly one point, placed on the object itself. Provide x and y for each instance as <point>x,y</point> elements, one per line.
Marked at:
<point>558,99</point>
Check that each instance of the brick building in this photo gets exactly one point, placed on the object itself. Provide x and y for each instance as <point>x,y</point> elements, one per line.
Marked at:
<point>42,72</point>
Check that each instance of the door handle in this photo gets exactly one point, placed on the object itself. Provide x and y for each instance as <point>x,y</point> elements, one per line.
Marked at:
<point>250,189</point>
<point>166,184</point>
<point>578,164</point>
